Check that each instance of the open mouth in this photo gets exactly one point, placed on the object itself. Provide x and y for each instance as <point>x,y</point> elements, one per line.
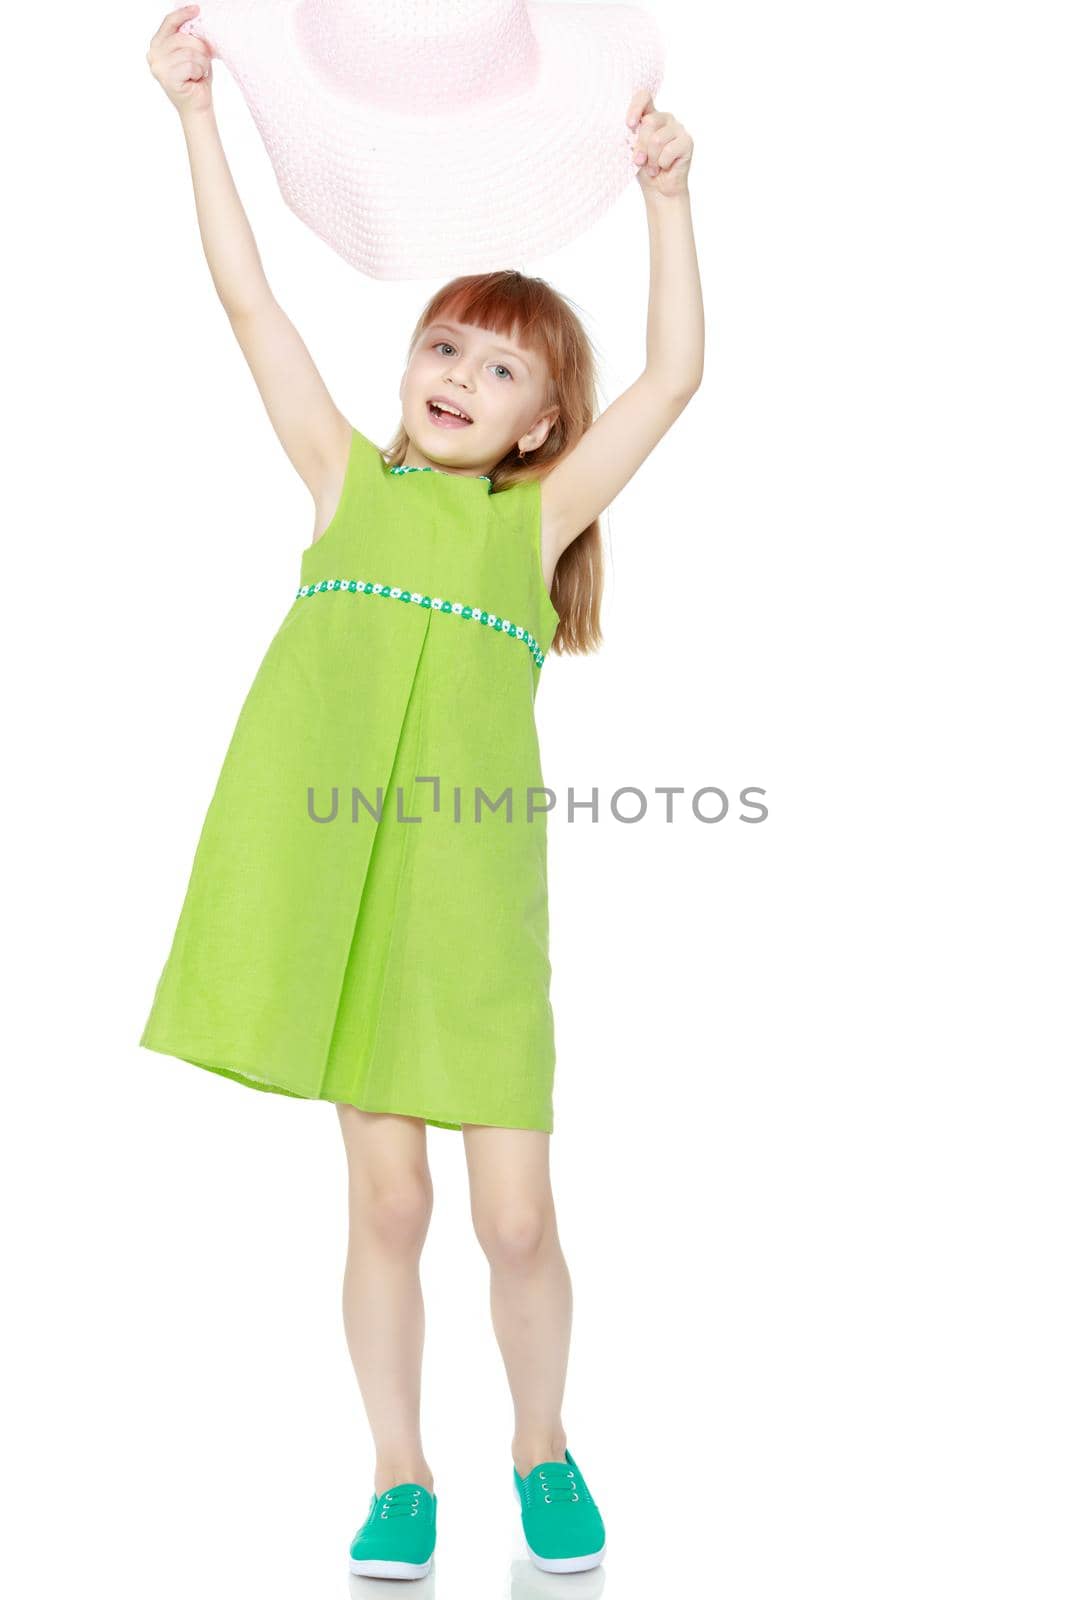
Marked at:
<point>447,416</point>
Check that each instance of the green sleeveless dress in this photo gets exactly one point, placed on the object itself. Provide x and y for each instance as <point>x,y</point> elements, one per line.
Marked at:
<point>366,919</point>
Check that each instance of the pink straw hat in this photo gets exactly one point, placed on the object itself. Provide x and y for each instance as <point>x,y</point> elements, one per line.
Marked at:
<point>426,138</point>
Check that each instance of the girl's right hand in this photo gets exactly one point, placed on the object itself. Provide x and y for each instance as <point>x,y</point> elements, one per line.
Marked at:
<point>181,62</point>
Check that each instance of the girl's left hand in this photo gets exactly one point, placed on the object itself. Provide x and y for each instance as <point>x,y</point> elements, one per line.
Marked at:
<point>663,150</point>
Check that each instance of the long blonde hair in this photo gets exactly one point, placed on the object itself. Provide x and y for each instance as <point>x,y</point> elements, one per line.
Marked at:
<point>538,318</point>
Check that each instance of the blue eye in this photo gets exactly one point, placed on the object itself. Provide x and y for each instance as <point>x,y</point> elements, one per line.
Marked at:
<point>498,366</point>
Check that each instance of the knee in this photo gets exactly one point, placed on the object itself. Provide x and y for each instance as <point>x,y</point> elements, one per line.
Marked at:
<point>397,1211</point>
<point>513,1235</point>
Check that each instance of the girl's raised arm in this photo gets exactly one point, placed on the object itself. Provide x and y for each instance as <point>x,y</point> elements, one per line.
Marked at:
<point>313,433</point>
<point>589,477</point>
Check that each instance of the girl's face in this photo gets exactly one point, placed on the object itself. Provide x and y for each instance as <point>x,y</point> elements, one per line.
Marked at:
<point>498,387</point>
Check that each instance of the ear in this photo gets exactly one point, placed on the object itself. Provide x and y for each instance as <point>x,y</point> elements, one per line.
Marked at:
<point>536,435</point>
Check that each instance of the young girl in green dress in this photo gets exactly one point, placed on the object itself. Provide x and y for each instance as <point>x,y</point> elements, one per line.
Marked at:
<point>358,962</point>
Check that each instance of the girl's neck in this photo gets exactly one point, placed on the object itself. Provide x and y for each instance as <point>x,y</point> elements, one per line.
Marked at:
<point>413,457</point>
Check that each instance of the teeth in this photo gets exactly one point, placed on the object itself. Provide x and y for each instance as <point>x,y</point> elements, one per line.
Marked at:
<point>442,407</point>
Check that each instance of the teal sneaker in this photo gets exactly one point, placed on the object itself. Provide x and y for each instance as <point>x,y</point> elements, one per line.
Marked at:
<point>398,1536</point>
<point>562,1527</point>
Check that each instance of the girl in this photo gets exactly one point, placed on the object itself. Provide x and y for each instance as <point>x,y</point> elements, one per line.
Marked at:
<point>394,960</point>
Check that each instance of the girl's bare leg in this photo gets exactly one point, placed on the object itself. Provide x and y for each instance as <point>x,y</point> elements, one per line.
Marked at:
<point>390,1200</point>
<point>530,1288</point>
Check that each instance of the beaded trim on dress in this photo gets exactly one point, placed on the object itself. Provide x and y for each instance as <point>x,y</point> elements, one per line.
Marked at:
<point>484,476</point>
<point>488,619</point>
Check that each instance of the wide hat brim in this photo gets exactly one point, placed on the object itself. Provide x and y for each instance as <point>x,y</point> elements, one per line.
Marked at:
<point>401,195</point>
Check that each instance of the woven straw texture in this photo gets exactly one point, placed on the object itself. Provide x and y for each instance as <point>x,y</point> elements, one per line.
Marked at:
<point>424,138</point>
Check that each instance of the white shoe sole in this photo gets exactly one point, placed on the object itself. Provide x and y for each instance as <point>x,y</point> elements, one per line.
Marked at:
<point>389,1569</point>
<point>559,1563</point>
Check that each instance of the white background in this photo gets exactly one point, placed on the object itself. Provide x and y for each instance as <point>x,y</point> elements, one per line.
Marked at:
<point>809,1101</point>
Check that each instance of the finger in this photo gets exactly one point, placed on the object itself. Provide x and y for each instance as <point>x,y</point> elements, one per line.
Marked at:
<point>650,139</point>
<point>173,21</point>
<point>180,57</point>
<point>186,58</point>
<point>674,148</point>
<point>187,67</point>
<point>639,103</point>
<point>655,141</point>
<point>190,43</point>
